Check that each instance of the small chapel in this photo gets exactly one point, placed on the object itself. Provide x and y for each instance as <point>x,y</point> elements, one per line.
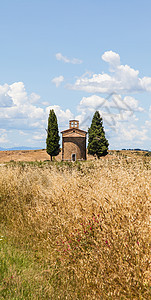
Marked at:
<point>73,142</point>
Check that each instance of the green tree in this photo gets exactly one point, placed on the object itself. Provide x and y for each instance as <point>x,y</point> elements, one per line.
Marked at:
<point>97,143</point>
<point>52,141</point>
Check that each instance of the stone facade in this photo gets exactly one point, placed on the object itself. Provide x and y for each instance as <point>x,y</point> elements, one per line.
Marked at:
<point>73,142</point>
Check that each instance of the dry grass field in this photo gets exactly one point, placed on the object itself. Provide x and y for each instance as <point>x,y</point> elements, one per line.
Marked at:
<point>41,155</point>
<point>29,155</point>
<point>76,230</point>
<point>25,155</point>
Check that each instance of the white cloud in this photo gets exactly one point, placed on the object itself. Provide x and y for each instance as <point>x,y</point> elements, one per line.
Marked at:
<point>63,116</point>
<point>112,58</point>
<point>5,99</point>
<point>73,61</point>
<point>148,122</point>
<point>23,112</point>
<point>45,103</point>
<point>150,112</point>
<point>22,133</point>
<point>18,93</point>
<point>20,113</point>
<point>3,136</point>
<point>123,79</point>
<point>146,83</point>
<point>37,124</point>
<point>119,118</point>
<point>128,103</point>
<point>130,132</point>
<point>39,136</point>
<point>94,102</point>
<point>25,116</point>
<point>34,98</point>
<point>58,80</point>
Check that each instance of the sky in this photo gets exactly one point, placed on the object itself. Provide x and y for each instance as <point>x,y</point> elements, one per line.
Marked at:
<point>75,57</point>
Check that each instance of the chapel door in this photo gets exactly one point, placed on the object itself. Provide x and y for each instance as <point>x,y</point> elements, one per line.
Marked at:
<point>73,157</point>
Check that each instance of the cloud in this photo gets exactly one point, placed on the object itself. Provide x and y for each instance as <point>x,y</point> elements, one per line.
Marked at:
<point>22,133</point>
<point>34,98</point>
<point>146,83</point>
<point>23,115</point>
<point>150,112</point>
<point>5,99</point>
<point>119,117</point>
<point>58,80</point>
<point>73,61</point>
<point>3,136</point>
<point>18,93</point>
<point>115,101</point>
<point>22,118</point>
<point>131,133</point>
<point>45,103</point>
<point>148,122</point>
<point>19,112</point>
<point>39,137</point>
<point>112,58</point>
<point>128,103</point>
<point>63,116</point>
<point>92,101</point>
<point>122,80</point>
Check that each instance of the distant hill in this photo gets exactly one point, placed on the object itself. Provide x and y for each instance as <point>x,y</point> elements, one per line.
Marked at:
<point>18,148</point>
<point>37,148</point>
<point>137,149</point>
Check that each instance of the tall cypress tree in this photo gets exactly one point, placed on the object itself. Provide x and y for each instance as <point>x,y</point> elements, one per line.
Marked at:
<point>52,141</point>
<point>97,143</point>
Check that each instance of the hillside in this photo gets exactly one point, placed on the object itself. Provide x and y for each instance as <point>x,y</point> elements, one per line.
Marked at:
<point>41,155</point>
<point>25,155</point>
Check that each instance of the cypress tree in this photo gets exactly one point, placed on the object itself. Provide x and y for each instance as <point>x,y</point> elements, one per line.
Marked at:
<point>52,141</point>
<point>97,143</point>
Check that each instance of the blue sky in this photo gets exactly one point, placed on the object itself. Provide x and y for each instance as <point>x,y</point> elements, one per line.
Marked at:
<point>75,57</point>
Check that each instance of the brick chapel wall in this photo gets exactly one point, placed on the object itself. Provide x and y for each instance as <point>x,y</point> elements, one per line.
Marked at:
<point>75,145</point>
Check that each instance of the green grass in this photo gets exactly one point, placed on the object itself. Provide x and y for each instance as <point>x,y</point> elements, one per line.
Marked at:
<point>20,274</point>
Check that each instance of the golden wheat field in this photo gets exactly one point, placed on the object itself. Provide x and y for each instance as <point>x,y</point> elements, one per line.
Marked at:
<point>76,230</point>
